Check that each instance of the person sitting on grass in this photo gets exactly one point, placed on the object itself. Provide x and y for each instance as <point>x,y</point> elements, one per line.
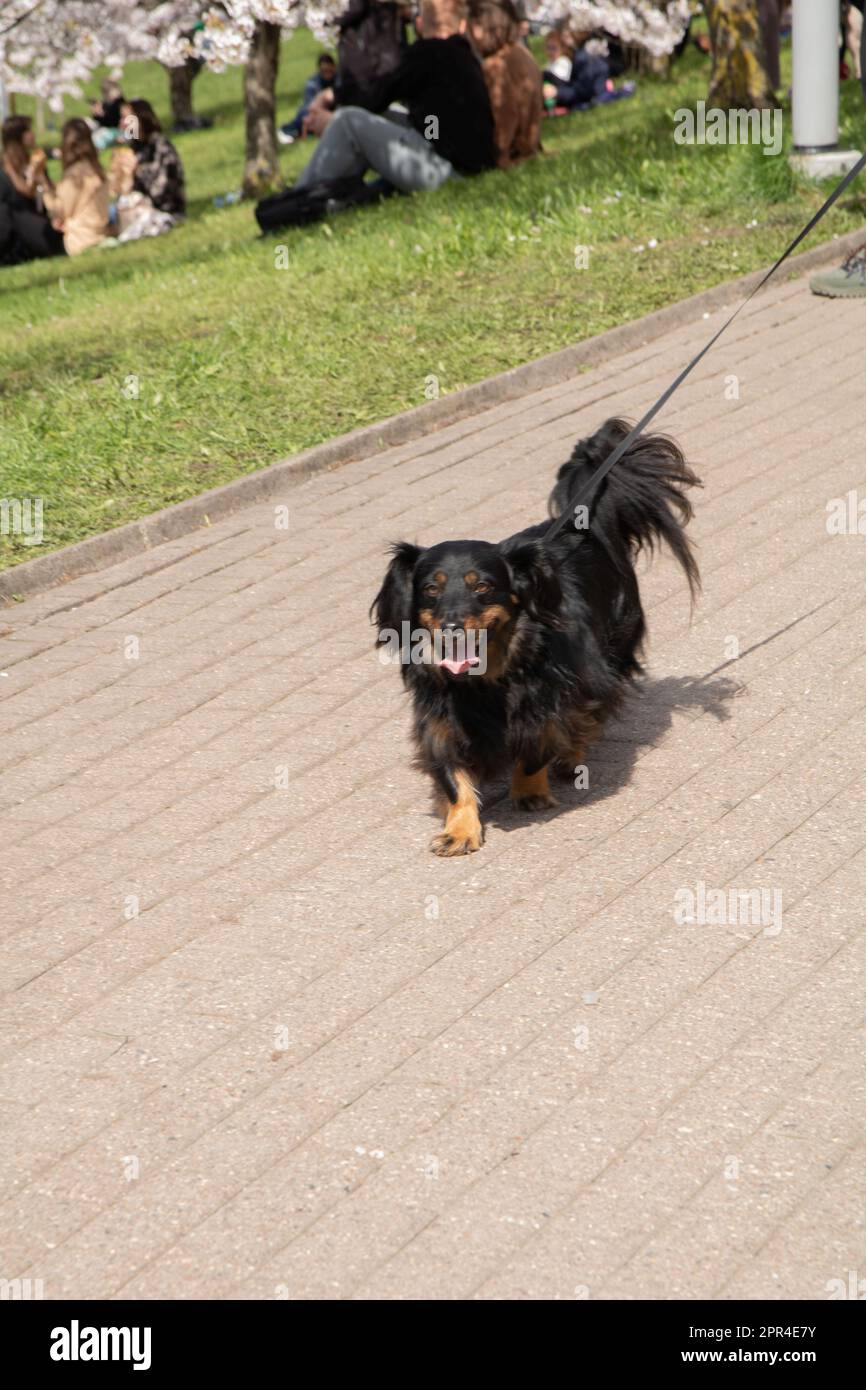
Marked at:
<point>104,119</point>
<point>26,232</point>
<point>512,77</point>
<point>589,82</point>
<point>557,69</point>
<point>557,57</point>
<point>78,205</point>
<point>448,128</point>
<point>159,171</point>
<point>322,80</point>
<point>145,177</point>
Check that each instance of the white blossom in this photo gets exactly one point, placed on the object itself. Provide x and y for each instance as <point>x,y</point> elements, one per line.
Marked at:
<point>50,48</point>
<point>655,27</point>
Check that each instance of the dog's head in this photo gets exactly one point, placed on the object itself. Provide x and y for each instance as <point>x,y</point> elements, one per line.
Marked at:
<point>470,598</point>
<point>492,25</point>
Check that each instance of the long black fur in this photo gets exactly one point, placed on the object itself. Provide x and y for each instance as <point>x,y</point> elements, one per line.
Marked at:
<point>569,643</point>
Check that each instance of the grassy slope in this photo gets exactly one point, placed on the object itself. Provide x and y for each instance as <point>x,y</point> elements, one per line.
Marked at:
<point>240,363</point>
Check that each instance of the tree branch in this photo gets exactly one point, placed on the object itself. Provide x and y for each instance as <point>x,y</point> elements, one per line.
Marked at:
<point>21,18</point>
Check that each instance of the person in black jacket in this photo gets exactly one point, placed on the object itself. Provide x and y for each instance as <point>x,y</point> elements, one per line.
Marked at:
<point>372,45</point>
<point>448,128</point>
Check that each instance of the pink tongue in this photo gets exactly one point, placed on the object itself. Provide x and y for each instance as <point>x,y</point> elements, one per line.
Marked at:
<point>458,667</point>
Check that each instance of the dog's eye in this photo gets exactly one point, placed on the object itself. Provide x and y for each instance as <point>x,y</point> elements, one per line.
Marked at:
<point>483,588</point>
<point>431,591</point>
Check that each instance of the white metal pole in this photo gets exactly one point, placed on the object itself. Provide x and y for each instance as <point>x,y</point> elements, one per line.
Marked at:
<point>815,91</point>
<point>815,88</point>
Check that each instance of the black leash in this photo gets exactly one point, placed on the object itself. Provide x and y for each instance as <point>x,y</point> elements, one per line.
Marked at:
<point>624,444</point>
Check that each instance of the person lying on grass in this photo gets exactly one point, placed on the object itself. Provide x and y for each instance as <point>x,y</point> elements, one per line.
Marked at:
<point>448,128</point>
<point>513,79</point>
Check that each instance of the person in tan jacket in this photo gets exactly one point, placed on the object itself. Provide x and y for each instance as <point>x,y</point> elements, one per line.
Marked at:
<point>513,80</point>
<point>78,205</point>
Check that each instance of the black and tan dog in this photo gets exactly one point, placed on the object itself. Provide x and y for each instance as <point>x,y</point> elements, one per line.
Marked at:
<point>527,646</point>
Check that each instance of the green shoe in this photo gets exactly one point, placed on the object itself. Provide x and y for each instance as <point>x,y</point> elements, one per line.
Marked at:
<point>848,281</point>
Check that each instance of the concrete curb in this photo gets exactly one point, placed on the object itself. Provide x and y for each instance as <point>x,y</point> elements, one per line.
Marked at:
<point>136,537</point>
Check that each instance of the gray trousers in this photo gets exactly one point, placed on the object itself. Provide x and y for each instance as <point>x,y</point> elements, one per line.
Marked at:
<point>355,141</point>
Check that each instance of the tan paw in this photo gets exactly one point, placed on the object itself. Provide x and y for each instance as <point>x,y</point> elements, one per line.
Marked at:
<point>448,844</point>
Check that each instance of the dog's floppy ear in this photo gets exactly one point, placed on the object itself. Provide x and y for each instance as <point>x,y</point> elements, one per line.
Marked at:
<point>392,606</point>
<point>535,583</point>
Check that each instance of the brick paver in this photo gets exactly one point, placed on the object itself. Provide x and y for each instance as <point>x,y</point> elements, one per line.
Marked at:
<point>256,1042</point>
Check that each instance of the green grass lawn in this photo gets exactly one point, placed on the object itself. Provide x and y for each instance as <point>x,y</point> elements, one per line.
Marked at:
<point>240,363</point>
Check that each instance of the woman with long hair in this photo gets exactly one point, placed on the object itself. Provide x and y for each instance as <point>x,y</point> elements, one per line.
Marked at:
<point>159,171</point>
<point>79,204</point>
<point>25,229</point>
<point>146,176</point>
<point>19,158</point>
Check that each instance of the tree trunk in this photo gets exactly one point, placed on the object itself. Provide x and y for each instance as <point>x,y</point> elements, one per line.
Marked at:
<point>261,165</point>
<point>180,92</point>
<point>739,75</point>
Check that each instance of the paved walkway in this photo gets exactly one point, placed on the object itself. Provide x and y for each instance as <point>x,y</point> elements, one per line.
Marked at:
<point>257,1042</point>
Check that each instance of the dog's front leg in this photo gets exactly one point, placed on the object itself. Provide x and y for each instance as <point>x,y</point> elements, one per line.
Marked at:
<point>463,833</point>
<point>530,790</point>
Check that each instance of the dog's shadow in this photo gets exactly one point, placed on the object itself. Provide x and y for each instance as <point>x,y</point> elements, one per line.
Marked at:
<point>643,721</point>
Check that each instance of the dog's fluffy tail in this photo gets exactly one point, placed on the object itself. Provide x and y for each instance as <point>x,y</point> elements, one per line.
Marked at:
<point>642,500</point>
